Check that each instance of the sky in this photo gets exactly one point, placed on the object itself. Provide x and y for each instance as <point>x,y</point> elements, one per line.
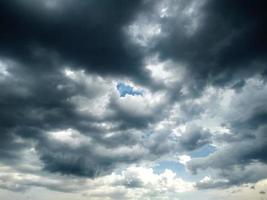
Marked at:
<point>133,99</point>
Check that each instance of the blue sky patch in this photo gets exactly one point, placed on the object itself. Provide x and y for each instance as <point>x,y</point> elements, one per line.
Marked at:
<point>177,168</point>
<point>171,165</point>
<point>125,89</point>
<point>203,151</point>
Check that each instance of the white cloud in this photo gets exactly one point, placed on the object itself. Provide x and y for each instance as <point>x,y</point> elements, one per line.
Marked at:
<point>183,159</point>
<point>70,137</point>
<point>135,182</point>
<point>143,32</point>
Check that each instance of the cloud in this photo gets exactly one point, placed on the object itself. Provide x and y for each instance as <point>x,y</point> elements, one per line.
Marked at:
<point>243,148</point>
<point>215,47</point>
<point>132,183</point>
<point>194,137</point>
<point>92,32</point>
<point>183,159</point>
<point>51,114</point>
<point>91,89</point>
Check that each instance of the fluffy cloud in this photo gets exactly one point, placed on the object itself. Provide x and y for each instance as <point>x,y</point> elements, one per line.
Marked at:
<point>242,150</point>
<point>132,183</point>
<point>99,93</point>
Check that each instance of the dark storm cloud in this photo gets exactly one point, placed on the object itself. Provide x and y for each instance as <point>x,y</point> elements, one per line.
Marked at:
<point>89,160</point>
<point>162,142</point>
<point>236,176</point>
<point>242,152</point>
<point>225,48</point>
<point>194,137</point>
<point>243,158</point>
<point>10,148</point>
<point>34,100</point>
<point>31,106</point>
<point>227,45</point>
<point>38,39</point>
<point>88,34</point>
<point>128,119</point>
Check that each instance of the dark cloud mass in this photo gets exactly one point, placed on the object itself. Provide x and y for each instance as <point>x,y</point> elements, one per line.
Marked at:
<point>91,88</point>
<point>89,34</point>
<point>228,43</point>
<point>194,137</point>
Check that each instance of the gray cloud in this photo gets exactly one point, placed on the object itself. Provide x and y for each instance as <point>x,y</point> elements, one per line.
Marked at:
<point>60,63</point>
<point>93,31</point>
<point>194,137</point>
<point>243,157</point>
<point>226,45</point>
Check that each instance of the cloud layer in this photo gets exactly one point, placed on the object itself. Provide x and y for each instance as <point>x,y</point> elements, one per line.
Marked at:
<point>100,93</point>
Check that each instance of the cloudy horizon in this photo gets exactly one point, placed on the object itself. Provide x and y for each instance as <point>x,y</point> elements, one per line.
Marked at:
<point>133,99</point>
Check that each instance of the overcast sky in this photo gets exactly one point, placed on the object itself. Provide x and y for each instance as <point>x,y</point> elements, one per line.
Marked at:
<point>133,99</point>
